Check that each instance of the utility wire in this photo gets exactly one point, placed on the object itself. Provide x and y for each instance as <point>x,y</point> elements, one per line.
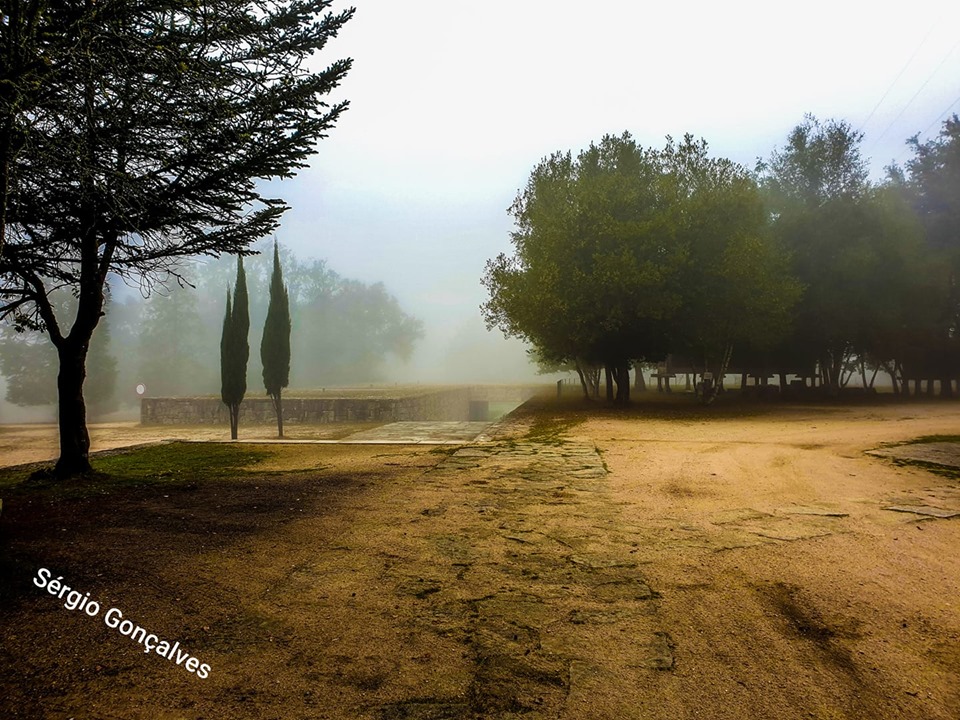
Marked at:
<point>899,75</point>
<point>938,119</point>
<point>910,101</point>
<point>941,116</point>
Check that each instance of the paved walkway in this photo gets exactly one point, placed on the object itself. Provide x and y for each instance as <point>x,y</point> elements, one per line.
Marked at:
<point>420,433</point>
<point>530,574</point>
<point>434,432</point>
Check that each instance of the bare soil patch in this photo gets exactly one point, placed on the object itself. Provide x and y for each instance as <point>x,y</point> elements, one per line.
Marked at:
<point>665,562</point>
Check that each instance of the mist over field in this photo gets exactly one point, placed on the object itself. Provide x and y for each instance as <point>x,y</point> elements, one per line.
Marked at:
<point>406,199</point>
<point>345,333</point>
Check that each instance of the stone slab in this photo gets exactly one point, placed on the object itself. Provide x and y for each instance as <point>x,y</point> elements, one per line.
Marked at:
<point>811,510</point>
<point>927,510</point>
<point>940,453</point>
<point>420,432</point>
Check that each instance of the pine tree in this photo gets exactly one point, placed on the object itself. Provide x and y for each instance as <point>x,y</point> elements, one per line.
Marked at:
<point>135,134</point>
<point>275,345</point>
<point>235,349</point>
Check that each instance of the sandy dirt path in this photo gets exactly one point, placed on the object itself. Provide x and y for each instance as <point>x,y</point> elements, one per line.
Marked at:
<point>786,587</point>
<point>680,565</point>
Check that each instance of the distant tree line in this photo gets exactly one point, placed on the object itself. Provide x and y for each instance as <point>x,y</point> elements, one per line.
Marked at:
<point>346,331</point>
<point>626,255</point>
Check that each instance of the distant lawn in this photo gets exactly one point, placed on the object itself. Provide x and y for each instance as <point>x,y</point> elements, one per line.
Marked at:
<point>175,462</point>
<point>927,439</point>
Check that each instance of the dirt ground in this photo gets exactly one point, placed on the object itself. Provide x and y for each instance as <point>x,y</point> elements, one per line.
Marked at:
<point>666,562</point>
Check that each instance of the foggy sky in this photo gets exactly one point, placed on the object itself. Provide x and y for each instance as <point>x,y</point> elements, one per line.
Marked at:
<point>453,103</point>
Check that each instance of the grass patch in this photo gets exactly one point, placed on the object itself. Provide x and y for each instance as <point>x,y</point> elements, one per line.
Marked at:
<point>928,439</point>
<point>947,471</point>
<point>550,429</point>
<point>177,462</point>
<point>935,468</point>
<point>211,460</point>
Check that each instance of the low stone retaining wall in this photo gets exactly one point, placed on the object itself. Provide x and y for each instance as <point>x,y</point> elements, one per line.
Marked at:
<point>453,404</point>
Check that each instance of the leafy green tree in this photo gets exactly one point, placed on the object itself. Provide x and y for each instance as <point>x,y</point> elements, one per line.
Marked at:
<point>626,254</point>
<point>346,329</point>
<point>816,188</point>
<point>169,347</point>
<point>146,146</point>
<point>594,270</point>
<point>856,249</point>
<point>934,174</point>
<point>275,344</point>
<point>932,186</point>
<point>29,363</point>
<point>235,349</point>
<point>736,287</point>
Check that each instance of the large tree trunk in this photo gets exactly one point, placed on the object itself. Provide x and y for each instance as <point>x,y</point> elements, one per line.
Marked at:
<point>608,377</point>
<point>831,373</point>
<point>589,380</point>
<point>717,387</point>
<point>946,387</point>
<point>74,438</point>
<point>583,383</point>
<point>893,379</point>
<point>278,408</point>
<point>621,373</point>
<point>641,384</point>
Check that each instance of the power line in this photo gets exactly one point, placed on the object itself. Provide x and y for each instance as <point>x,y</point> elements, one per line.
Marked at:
<point>899,75</point>
<point>941,116</point>
<point>910,101</point>
<point>938,119</point>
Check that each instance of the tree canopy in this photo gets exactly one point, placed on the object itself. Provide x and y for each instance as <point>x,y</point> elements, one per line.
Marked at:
<point>134,135</point>
<point>625,253</point>
<point>855,248</point>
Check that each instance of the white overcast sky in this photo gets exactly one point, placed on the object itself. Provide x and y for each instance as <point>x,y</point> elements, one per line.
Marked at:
<point>452,104</point>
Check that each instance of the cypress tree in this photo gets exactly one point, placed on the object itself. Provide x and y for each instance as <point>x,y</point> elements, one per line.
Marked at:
<point>275,345</point>
<point>235,349</point>
<point>226,379</point>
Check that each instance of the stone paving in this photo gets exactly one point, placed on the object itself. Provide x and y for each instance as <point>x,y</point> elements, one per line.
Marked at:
<point>419,433</point>
<point>532,576</point>
<point>946,454</point>
<point>539,573</point>
<point>936,502</point>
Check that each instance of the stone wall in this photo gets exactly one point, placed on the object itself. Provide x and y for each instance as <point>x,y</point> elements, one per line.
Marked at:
<point>443,404</point>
